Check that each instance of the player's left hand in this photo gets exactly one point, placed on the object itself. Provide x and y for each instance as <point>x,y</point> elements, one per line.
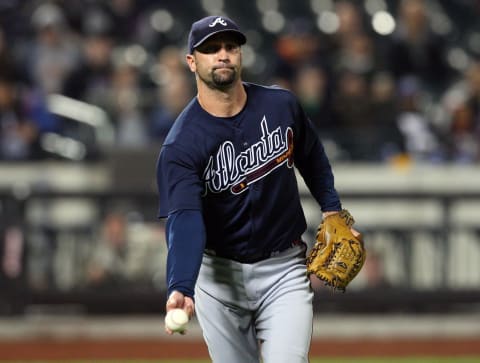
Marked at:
<point>339,252</point>
<point>177,300</point>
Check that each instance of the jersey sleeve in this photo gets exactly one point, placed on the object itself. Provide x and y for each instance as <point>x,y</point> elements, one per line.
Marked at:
<point>312,162</point>
<point>178,181</point>
<point>186,242</point>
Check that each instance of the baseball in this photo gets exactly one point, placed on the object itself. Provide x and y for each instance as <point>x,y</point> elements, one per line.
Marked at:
<point>176,320</point>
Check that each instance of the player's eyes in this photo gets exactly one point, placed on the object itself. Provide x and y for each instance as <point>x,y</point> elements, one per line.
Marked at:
<point>214,48</point>
<point>209,49</point>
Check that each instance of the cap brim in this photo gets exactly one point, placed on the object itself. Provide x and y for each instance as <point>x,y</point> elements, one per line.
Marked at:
<point>241,37</point>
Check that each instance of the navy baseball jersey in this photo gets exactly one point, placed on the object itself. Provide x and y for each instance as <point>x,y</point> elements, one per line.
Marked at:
<point>238,171</point>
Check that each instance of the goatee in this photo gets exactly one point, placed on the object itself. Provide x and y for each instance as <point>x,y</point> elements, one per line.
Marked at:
<point>223,81</point>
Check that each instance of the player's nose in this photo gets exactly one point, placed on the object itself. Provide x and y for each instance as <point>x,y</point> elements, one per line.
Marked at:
<point>223,52</point>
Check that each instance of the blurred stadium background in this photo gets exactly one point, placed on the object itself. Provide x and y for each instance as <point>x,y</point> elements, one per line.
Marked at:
<point>89,89</point>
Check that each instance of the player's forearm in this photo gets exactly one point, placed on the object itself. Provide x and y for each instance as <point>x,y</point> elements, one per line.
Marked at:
<point>319,178</point>
<point>186,242</point>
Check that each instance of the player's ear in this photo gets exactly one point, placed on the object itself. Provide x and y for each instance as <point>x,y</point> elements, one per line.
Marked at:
<point>191,63</point>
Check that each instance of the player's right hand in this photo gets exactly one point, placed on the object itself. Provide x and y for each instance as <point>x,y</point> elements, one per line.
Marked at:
<point>177,300</point>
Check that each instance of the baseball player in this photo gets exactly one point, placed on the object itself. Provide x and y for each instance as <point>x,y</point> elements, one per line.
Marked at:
<point>228,189</point>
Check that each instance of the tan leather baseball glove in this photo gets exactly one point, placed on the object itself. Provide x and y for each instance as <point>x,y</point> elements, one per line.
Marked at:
<point>337,256</point>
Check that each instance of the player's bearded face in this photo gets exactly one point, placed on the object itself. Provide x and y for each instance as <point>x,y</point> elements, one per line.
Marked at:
<point>219,64</point>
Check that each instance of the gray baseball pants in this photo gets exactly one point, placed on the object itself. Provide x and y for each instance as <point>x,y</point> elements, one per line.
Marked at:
<point>250,312</point>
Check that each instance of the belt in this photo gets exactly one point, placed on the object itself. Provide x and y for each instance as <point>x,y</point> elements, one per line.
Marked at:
<point>257,257</point>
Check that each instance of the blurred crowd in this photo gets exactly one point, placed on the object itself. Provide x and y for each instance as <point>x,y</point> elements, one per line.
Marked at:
<point>382,80</point>
<point>93,249</point>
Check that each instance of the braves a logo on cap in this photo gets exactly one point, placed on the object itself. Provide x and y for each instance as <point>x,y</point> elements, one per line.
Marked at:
<point>236,171</point>
<point>218,20</point>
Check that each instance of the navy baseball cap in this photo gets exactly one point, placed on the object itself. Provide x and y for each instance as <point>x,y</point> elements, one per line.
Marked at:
<point>204,28</point>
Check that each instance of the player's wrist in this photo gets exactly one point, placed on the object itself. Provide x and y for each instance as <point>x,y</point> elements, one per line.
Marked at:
<point>329,213</point>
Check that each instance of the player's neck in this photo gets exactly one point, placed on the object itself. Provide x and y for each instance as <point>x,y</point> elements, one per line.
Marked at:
<point>222,103</point>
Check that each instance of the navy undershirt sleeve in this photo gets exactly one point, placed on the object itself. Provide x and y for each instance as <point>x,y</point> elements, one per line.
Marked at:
<point>186,241</point>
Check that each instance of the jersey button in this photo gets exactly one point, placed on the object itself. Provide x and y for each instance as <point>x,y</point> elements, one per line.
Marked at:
<point>245,144</point>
